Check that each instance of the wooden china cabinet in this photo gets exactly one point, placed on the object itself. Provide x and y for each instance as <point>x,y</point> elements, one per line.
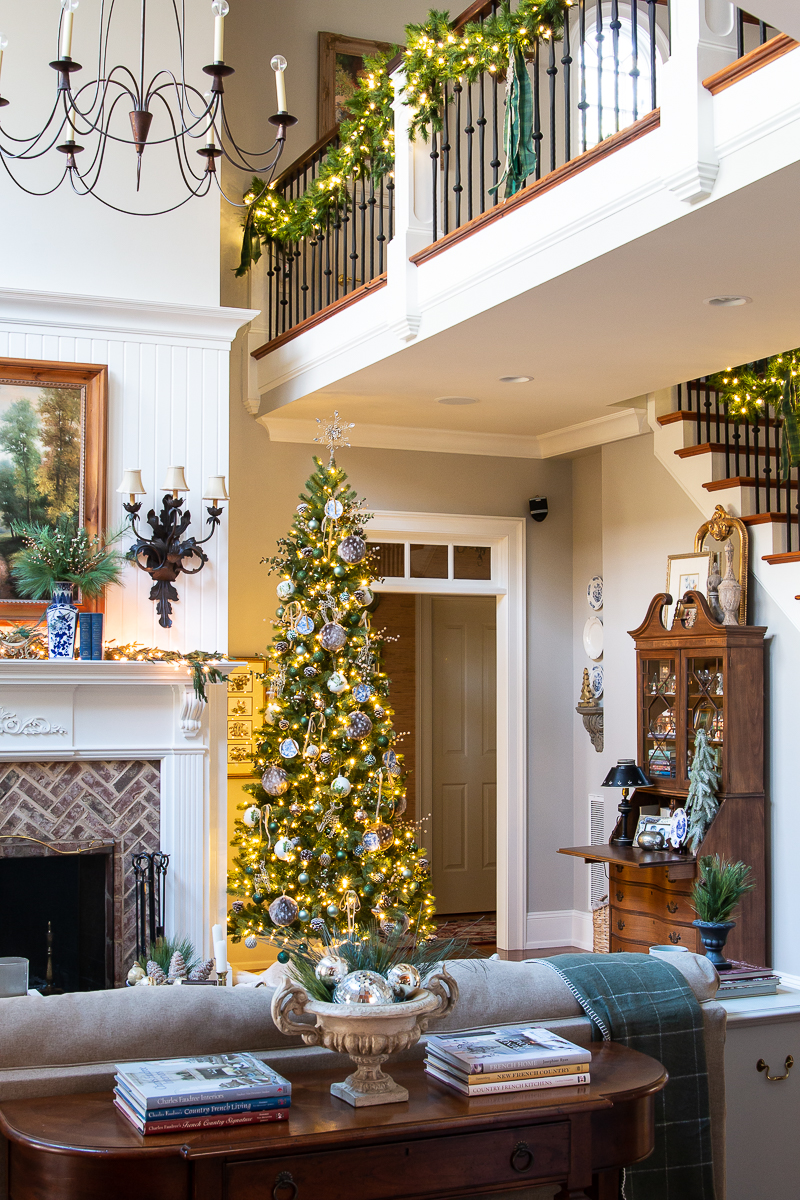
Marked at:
<point>697,675</point>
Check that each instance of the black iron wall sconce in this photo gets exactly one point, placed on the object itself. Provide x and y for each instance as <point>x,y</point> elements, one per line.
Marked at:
<point>164,554</point>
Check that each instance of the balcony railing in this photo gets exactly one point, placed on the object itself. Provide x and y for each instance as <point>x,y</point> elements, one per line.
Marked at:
<point>751,450</point>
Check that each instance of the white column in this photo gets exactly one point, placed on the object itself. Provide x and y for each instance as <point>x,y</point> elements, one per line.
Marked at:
<point>185,836</point>
<point>703,41</point>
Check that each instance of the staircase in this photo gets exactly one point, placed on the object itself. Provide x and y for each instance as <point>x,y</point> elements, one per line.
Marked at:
<point>718,461</point>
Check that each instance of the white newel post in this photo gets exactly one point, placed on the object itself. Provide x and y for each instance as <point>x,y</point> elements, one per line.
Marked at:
<point>703,40</point>
<point>413,225</point>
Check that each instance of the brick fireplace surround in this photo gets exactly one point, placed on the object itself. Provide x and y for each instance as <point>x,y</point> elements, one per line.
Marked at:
<point>75,802</point>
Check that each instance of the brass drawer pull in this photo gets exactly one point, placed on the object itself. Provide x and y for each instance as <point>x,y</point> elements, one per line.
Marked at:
<point>672,906</point>
<point>620,924</point>
<point>284,1181</point>
<point>674,938</point>
<point>620,896</point>
<point>762,1066</point>
<point>521,1157</point>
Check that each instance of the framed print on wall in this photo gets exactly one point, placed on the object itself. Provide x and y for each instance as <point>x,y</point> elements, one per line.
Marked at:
<point>685,573</point>
<point>341,63</point>
<point>52,459</point>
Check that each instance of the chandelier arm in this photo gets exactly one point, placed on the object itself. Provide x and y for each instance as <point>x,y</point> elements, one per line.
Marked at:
<point>239,149</point>
<point>34,137</point>
<point>100,124</point>
<point>172,82</point>
<point>180,147</point>
<point>99,154</point>
<point>28,191</point>
<point>198,192</point>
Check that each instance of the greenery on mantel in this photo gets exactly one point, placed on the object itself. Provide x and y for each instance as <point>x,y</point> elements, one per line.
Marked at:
<point>748,393</point>
<point>203,665</point>
<point>434,56</point>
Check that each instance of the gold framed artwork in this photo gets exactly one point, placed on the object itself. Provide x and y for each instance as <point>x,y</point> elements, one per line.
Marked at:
<point>246,699</point>
<point>720,528</point>
<point>685,573</point>
<point>52,458</point>
<point>341,64</point>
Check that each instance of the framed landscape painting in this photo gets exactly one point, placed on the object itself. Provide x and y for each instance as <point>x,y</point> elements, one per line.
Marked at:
<point>52,458</point>
<point>341,64</point>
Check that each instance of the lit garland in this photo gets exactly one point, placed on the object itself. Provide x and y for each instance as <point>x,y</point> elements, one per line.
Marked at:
<point>308,843</point>
<point>747,395</point>
<point>203,666</point>
<point>436,55</point>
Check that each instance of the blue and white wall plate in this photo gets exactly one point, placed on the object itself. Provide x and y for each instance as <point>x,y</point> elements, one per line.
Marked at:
<point>596,681</point>
<point>594,592</point>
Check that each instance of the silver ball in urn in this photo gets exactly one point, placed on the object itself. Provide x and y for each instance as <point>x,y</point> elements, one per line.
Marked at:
<point>352,549</point>
<point>332,636</point>
<point>275,781</point>
<point>331,970</point>
<point>379,837</point>
<point>404,980</point>
<point>363,987</point>
<point>284,910</point>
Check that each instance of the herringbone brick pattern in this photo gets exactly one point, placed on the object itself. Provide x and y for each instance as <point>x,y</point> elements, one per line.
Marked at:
<point>68,802</point>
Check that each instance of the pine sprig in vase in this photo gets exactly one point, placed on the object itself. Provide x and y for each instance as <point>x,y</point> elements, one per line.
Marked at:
<point>64,553</point>
<point>323,843</point>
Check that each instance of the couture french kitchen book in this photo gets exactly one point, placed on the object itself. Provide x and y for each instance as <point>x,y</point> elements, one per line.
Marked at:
<point>513,1048</point>
<point>209,1079</point>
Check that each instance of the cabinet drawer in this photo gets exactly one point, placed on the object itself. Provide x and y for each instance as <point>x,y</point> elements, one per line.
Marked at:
<point>650,931</point>
<point>665,877</point>
<point>529,1153</point>
<point>666,905</point>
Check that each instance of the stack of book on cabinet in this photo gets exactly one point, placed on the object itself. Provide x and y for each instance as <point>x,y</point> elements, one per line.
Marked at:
<point>513,1058</point>
<point>743,979</point>
<point>200,1093</point>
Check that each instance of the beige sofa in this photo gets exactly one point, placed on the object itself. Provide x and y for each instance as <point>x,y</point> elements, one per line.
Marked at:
<point>70,1043</point>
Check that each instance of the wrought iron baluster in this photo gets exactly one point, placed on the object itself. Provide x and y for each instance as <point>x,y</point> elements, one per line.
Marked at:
<point>699,422</point>
<point>434,182</point>
<point>337,247</point>
<point>495,163</point>
<point>552,71</point>
<point>635,58</point>
<point>445,161</point>
<point>756,461</point>
<point>718,429</point>
<point>746,447</point>
<point>652,31</point>
<point>362,208</point>
<point>599,38</point>
<point>583,103</point>
<point>371,202</point>
<point>457,186</point>
<point>566,63</point>
<point>680,397</point>
<point>707,407</point>
<point>390,190</point>
<point>328,258</point>
<point>482,141</point>
<point>270,275</point>
<point>762,32</point>
<point>381,235</point>
<point>739,33</point>
<point>305,254</point>
<point>616,25</point>
<point>538,136</point>
<point>469,130</point>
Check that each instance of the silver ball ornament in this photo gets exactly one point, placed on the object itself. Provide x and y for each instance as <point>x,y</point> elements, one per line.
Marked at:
<point>352,549</point>
<point>404,980</point>
<point>359,725</point>
<point>275,781</point>
<point>284,910</point>
<point>331,970</point>
<point>251,941</point>
<point>332,636</point>
<point>363,987</point>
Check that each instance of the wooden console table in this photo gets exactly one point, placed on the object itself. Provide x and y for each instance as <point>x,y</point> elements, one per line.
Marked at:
<point>437,1144</point>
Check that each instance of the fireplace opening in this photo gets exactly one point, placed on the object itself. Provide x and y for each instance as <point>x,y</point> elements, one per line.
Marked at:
<point>73,895</point>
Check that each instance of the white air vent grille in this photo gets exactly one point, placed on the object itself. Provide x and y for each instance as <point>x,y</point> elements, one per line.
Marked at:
<point>597,837</point>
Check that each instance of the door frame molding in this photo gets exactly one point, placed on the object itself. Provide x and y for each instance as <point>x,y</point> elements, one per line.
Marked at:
<point>506,536</point>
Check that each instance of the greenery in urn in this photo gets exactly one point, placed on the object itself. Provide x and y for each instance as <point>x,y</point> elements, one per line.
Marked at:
<point>63,553</point>
<point>719,889</point>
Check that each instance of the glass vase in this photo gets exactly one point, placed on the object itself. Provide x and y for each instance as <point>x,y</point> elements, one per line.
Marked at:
<point>62,620</point>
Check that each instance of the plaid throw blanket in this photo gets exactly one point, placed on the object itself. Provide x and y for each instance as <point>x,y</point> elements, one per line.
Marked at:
<point>643,1002</point>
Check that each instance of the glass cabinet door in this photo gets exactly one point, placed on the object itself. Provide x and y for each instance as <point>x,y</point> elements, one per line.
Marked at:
<point>658,686</point>
<point>705,691</point>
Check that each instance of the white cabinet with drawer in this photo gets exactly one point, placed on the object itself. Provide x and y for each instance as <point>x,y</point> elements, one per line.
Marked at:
<point>763,1122</point>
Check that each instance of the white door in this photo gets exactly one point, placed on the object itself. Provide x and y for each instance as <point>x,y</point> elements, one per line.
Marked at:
<point>463,691</point>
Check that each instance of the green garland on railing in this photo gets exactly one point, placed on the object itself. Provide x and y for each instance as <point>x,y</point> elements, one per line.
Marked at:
<point>747,394</point>
<point>435,55</point>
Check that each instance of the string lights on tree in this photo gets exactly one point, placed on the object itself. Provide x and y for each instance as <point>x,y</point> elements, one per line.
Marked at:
<point>138,107</point>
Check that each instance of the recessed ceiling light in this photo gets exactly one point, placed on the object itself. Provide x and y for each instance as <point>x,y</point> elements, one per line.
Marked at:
<point>456,400</point>
<point>728,301</point>
<point>516,378</point>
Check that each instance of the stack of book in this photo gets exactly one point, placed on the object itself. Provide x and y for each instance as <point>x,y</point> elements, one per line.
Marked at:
<point>514,1058</point>
<point>200,1093</point>
<point>743,979</point>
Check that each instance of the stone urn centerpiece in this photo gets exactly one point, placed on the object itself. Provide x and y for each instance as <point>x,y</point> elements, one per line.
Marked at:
<point>368,1030</point>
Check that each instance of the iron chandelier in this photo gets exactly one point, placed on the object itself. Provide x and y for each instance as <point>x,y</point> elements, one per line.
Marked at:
<point>86,116</point>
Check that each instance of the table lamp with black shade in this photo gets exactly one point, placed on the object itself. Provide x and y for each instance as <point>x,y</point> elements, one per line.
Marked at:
<point>626,775</point>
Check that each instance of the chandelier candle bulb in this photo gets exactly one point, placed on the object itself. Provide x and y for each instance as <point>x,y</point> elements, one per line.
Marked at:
<point>3,44</point>
<point>279,65</point>
<point>69,7</point>
<point>220,9</point>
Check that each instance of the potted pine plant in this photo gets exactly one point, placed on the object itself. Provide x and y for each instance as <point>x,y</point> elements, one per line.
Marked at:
<point>715,896</point>
<point>54,561</point>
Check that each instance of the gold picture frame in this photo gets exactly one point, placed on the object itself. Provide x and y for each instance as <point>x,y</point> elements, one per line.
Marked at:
<point>685,573</point>
<point>340,60</point>
<point>246,700</point>
<point>90,381</point>
<point>720,528</point>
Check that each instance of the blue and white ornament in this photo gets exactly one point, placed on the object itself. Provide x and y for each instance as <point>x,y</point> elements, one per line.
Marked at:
<point>289,748</point>
<point>362,692</point>
<point>333,509</point>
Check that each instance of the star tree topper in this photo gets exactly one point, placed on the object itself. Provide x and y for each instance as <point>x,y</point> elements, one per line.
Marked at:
<point>333,433</point>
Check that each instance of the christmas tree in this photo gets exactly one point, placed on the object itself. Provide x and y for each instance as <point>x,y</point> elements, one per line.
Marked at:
<point>701,802</point>
<point>323,842</point>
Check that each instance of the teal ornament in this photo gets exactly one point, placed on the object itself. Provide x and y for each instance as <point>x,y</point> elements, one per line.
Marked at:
<point>303,878</point>
<point>257,897</point>
<point>368,889</point>
<point>332,910</point>
<point>303,915</point>
<point>407,873</point>
<point>382,739</point>
<point>318,656</point>
<point>339,572</point>
<point>300,648</point>
<point>283,956</point>
<point>273,827</point>
<point>313,523</point>
<point>340,854</point>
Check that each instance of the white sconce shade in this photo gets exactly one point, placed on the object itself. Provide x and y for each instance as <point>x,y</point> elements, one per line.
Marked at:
<point>132,482</point>
<point>216,489</point>
<point>175,481</point>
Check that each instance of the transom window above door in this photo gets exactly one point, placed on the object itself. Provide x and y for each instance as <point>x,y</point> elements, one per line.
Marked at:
<point>432,560</point>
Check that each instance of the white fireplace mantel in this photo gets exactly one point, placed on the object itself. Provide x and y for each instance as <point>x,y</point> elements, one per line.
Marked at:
<point>66,710</point>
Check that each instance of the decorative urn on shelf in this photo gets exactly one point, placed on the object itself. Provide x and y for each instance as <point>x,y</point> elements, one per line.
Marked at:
<point>62,620</point>
<point>368,1032</point>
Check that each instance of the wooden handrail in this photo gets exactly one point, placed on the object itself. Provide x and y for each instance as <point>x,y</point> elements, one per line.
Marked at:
<point>750,63</point>
<point>295,169</point>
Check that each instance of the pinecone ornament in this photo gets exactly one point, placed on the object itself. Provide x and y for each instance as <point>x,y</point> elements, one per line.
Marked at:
<point>155,972</point>
<point>237,907</point>
<point>177,967</point>
<point>317,924</point>
<point>203,971</point>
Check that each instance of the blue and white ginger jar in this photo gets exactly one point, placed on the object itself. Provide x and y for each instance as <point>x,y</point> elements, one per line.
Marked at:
<point>62,619</point>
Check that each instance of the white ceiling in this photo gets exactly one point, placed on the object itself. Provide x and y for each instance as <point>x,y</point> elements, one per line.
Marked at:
<point>622,325</point>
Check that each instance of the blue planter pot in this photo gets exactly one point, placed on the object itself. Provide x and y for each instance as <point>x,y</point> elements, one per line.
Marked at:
<point>713,935</point>
<point>62,620</point>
